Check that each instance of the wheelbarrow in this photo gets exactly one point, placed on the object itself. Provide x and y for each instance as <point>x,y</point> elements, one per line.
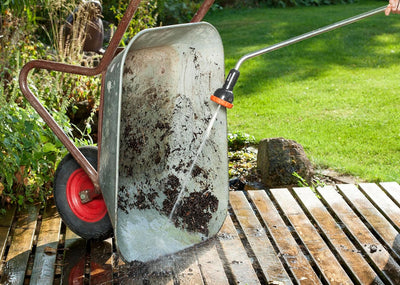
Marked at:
<point>162,184</point>
<point>154,190</point>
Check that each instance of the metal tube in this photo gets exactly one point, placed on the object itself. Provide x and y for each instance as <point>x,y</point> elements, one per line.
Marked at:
<point>202,11</point>
<point>309,35</point>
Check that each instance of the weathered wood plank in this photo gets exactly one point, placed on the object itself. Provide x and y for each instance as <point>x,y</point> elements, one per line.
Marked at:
<point>287,245</point>
<point>393,189</point>
<point>46,250</point>
<point>211,266</point>
<point>321,253</point>
<point>74,259</point>
<point>352,257</point>
<point>158,272</point>
<point>263,250</point>
<point>386,231</point>
<point>100,262</point>
<point>5,227</point>
<point>186,268</point>
<point>21,245</point>
<point>386,205</point>
<point>379,256</point>
<point>236,257</point>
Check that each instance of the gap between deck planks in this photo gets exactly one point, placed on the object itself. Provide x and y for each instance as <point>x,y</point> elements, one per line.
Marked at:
<point>344,234</point>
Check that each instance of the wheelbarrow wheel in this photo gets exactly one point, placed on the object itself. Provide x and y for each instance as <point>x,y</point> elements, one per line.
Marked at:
<point>89,220</point>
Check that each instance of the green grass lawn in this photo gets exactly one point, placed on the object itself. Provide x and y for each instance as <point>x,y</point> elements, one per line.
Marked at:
<point>337,94</point>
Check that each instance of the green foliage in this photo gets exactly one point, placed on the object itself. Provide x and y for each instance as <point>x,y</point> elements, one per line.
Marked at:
<point>20,8</point>
<point>242,157</point>
<point>145,17</point>
<point>176,11</point>
<point>243,163</point>
<point>315,183</point>
<point>28,153</point>
<point>239,140</point>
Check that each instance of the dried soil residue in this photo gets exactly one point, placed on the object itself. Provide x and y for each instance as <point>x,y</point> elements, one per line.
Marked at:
<point>196,211</point>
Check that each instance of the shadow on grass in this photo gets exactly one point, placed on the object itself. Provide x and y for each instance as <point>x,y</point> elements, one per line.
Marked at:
<point>365,44</point>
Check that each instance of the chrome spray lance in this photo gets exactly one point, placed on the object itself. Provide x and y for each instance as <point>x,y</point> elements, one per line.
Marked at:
<point>224,96</point>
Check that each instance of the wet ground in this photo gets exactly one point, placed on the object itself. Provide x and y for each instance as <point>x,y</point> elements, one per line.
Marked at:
<point>340,234</point>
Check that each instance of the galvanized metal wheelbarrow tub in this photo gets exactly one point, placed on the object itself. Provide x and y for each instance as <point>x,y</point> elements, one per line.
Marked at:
<point>156,112</point>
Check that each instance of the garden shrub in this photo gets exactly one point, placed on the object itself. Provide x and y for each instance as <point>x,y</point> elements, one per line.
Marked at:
<point>29,151</point>
<point>145,17</point>
<point>239,140</point>
<point>176,11</point>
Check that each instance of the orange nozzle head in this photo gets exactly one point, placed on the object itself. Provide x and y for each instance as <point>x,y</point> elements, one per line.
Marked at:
<point>222,102</point>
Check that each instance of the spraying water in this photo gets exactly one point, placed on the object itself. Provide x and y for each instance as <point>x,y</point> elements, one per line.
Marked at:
<point>187,178</point>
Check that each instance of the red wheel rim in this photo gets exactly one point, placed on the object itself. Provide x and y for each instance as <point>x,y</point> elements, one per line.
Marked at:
<point>90,212</point>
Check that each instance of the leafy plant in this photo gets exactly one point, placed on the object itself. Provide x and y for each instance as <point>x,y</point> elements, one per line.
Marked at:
<point>315,183</point>
<point>239,140</point>
<point>28,153</point>
<point>243,163</point>
<point>175,11</point>
<point>145,17</point>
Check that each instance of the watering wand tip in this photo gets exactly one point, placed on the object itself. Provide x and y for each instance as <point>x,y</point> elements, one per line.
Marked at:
<point>220,101</point>
<point>224,95</point>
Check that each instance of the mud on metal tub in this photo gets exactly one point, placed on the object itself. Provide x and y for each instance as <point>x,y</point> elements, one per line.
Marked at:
<point>156,112</point>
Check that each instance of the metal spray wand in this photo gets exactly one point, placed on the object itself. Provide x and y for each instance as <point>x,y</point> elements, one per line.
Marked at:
<point>224,95</point>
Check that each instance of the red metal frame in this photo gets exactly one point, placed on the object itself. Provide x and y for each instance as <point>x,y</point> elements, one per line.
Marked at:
<point>109,54</point>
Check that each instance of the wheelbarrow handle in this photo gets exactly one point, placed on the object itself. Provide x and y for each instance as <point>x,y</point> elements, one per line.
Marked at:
<point>109,54</point>
<point>41,110</point>
<point>74,69</point>
<point>202,11</point>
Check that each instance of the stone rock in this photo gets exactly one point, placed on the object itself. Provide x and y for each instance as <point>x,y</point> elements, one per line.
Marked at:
<point>278,159</point>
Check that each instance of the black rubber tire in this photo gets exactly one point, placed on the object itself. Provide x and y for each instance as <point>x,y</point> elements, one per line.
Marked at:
<point>99,230</point>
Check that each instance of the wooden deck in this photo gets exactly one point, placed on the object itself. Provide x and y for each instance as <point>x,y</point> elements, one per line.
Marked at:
<point>347,234</point>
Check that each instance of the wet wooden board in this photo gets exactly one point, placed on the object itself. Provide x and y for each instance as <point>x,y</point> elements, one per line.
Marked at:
<point>101,261</point>
<point>75,256</point>
<point>352,257</point>
<point>288,247</point>
<point>21,246</point>
<point>344,234</point>
<point>262,248</point>
<point>211,266</point>
<point>319,250</point>
<point>186,268</point>
<point>393,190</point>
<point>382,202</point>
<point>236,260</point>
<point>383,262</point>
<point>372,215</point>
<point>5,227</point>
<point>46,249</point>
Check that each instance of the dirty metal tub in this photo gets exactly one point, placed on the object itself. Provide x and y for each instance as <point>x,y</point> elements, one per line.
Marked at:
<point>156,111</point>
